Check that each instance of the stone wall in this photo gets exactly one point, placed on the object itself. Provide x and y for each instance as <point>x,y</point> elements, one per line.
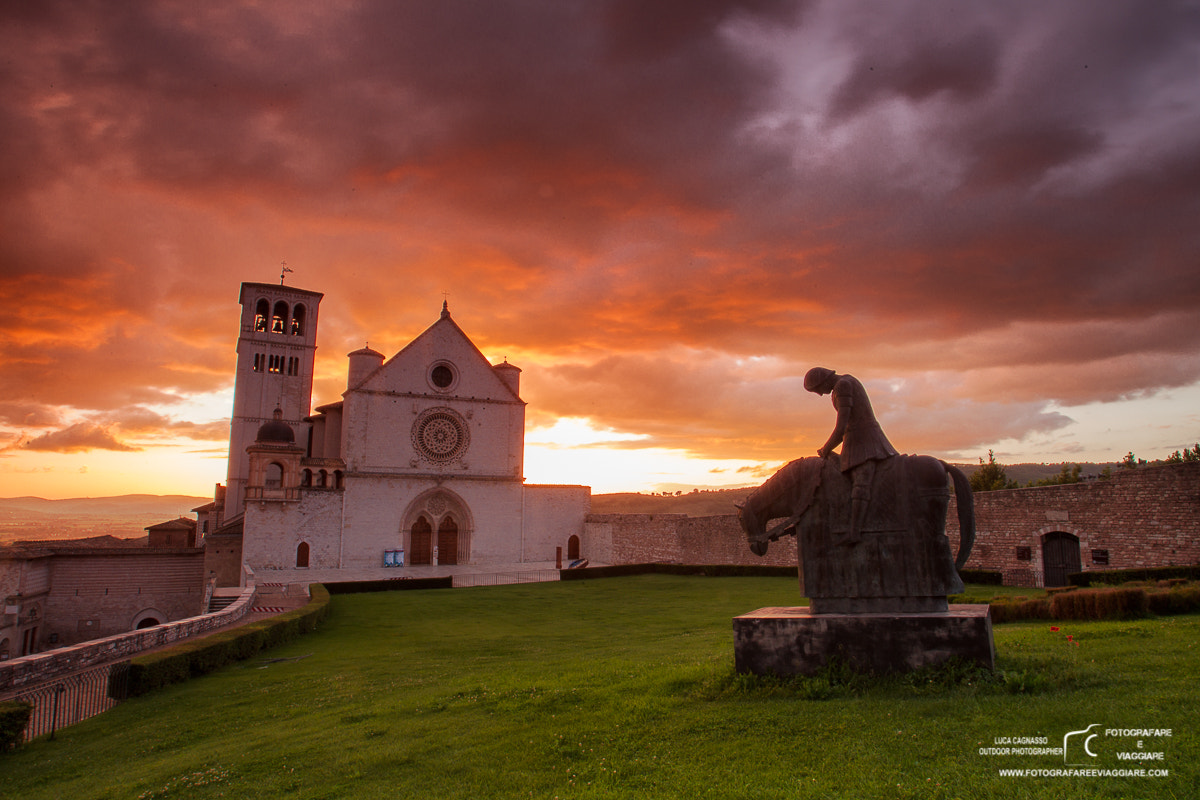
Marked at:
<point>28,671</point>
<point>676,539</point>
<point>101,594</point>
<point>552,515</point>
<point>1147,517</point>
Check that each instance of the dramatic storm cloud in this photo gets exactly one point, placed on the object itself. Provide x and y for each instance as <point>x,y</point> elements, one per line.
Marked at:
<point>665,213</point>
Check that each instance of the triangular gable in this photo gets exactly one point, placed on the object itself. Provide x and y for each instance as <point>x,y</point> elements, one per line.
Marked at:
<point>408,372</point>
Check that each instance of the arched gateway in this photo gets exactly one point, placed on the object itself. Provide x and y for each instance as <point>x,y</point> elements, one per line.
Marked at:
<point>437,529</point>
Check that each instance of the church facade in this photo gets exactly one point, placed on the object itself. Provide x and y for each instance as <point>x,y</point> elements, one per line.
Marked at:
<point>421,463</point>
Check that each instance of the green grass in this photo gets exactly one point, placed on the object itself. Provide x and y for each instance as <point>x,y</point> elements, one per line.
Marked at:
<point>617,688</point>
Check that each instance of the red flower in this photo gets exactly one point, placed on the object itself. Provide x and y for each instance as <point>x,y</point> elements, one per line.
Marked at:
<point>1070,638</point>
<point>1054,628</point>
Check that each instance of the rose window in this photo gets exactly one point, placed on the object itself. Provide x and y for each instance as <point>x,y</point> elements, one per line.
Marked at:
<point>440,434</point>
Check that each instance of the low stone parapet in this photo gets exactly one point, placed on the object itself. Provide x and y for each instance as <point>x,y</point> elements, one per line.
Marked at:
<point>26,671</point>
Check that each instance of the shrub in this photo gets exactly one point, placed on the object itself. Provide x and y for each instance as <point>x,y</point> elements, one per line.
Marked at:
<point>1177,600</point>
<point>1126,603</point>
<point>389,585</point>
<point>1115,577</point>
<point>198,657</point>
<point>1020,609</point>
<point>14,716</point>
<point>986,577</point>
<point>709,570</point>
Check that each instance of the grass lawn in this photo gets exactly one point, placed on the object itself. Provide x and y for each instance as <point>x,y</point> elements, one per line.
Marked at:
<point>622,688</point>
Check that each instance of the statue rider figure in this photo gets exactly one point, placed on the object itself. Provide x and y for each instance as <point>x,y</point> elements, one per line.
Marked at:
<point>858,432</point>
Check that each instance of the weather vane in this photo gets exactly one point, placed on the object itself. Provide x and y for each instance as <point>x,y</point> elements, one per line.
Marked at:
<point>286,269</point>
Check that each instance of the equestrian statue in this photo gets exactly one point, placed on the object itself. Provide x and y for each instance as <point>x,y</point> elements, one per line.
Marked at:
<point>870,523</point>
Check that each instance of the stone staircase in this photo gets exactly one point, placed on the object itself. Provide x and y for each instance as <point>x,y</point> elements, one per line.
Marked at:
<point>220,602</point>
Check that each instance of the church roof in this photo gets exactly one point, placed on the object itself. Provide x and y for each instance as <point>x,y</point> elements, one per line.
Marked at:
<point>180,524</point>
<point>442,341</point>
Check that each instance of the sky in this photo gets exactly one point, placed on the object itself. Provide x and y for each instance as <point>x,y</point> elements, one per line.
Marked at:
<point>665,213</point>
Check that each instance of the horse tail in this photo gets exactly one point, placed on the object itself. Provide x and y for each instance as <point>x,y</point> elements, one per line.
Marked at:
<point>966,514</point>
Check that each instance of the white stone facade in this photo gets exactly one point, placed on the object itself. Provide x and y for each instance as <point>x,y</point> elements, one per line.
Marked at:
<point>421,463</point>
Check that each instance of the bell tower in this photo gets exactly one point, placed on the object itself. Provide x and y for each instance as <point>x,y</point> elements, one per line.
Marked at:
<point>276,348</point>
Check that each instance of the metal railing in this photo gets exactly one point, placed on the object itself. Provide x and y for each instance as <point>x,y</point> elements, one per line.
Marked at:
<point>74,698</point>
<point>503,578</point>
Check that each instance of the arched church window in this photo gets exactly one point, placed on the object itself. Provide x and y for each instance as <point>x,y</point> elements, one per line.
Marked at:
<point>302,555</point>
<point>323,479</point>
<point>306,480</point>
<point>298,315</point>
<point>274,476</point>
<point>421,542</point>
<point>279,318</point>
<point>339,479</point>
<point>262,310</point>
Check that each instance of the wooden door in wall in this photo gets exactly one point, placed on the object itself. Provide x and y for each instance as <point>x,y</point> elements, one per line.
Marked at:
<point>1060,558</point>
<point>448,542</point>
<point>421,543</point>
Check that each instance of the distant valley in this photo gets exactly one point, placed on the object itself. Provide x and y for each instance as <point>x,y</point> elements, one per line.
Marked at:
<point>127,516</point>
<point>124,516</point>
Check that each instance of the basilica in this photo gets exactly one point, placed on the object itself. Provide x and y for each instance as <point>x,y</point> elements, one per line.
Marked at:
<point>420,463</point>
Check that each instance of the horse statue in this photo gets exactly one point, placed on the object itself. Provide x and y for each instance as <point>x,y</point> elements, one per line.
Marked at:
<point>900,560</point>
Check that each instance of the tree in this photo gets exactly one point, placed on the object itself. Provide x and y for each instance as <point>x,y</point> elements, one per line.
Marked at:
<point>1131,461</point>
<point>1185,456</point>
<point>990,476</point>
<point>1068,474</point>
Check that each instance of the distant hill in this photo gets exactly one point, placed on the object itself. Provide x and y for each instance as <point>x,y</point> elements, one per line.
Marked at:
<point>124,517</point>
<point>708,503</point>
<point>717,502</point>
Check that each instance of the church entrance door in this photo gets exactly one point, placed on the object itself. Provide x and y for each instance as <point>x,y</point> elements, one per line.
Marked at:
<point>448,542</point>
<point>421,542</point>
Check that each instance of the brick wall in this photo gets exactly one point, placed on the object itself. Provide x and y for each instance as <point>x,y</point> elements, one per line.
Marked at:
<point>101,594</point>
<point>22,673</point>
<point>1146,517</point>
<point>676,539</point>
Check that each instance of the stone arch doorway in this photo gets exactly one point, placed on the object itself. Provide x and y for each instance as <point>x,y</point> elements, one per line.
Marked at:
<point>437,517</point>
<point>148,618</point>
<point>420,547</point>
<point>448,541</point>
<point>573,548</point>
<point>1060,558</point>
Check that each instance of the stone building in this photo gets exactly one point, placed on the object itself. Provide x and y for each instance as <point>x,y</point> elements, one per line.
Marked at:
<point>420,463</point>
<point>58,593</point>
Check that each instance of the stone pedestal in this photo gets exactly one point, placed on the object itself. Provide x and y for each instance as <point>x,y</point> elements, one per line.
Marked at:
<point>796,641</point>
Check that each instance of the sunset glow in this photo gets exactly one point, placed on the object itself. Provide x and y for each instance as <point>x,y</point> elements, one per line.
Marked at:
<point>663,213</point>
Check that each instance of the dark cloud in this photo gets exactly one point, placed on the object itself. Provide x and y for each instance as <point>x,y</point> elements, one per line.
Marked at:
<point>637,199</point>
<point>964,67</point>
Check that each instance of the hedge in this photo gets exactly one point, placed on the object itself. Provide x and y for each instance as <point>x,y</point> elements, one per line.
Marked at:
<point>709,570</point>
<point>198,657</point>
<point>1126,602</point>
<point>1115,577</point>
<point>14,716</point>
<point>986,577</point>
<point>389,585</point>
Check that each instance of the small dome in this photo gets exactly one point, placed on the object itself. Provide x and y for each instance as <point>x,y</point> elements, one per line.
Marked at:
<point>276,431</point>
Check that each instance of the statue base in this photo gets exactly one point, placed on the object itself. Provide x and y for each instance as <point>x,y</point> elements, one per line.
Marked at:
<point>797,641</point>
